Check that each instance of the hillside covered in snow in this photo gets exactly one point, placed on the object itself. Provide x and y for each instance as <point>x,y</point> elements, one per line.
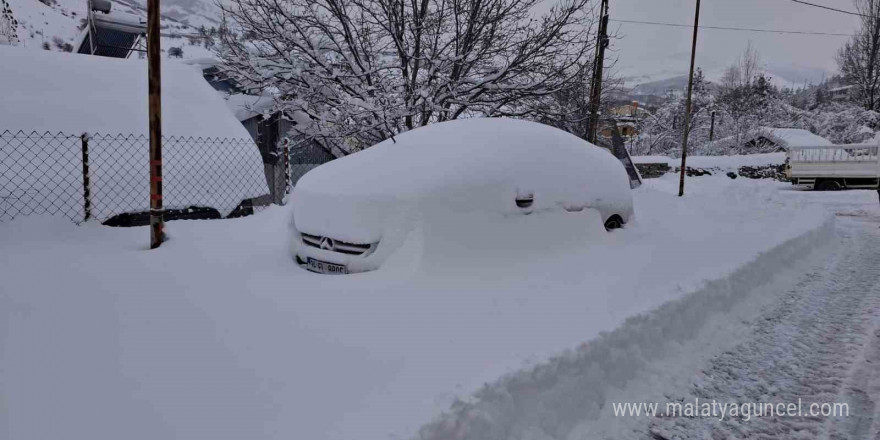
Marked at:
<point>58,24</point>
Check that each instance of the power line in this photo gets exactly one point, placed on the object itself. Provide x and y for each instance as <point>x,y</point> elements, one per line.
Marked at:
<point>770,31</point>
<point>842,11</point>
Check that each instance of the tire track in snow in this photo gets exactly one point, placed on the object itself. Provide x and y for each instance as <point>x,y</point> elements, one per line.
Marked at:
<point>820,344</point>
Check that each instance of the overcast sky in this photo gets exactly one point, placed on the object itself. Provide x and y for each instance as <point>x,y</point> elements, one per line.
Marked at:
<point>650,50</point>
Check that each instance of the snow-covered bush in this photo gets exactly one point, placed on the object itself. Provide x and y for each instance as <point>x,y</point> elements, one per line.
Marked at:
<point>742,114</point>
<point>845,123</point>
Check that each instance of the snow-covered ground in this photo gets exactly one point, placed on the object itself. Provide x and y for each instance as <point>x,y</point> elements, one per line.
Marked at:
<point>811,333</point>
<point>219,335</point>
<point>816,340</point>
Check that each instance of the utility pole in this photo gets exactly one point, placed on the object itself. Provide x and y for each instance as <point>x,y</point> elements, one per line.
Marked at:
<point>598,67</point>
<point>157,232</point>
<point>712,128</point>
<point>687,112</point>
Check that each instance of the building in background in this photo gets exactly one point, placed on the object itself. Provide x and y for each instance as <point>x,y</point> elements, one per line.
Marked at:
<point>842,94</point>
<point>273,131</point>
<point>770,139</point>
<point>627,118</point>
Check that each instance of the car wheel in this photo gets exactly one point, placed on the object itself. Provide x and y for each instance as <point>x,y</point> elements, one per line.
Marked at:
<point>613,222</point>
<point>828,185</point>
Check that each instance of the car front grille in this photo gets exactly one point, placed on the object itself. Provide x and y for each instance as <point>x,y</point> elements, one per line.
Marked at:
<point>329,244</point>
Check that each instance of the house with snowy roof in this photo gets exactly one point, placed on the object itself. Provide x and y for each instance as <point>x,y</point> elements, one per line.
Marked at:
<point>770,139</point>
<point>270,128</point>
<point>273,130</point>
<point>49,97</point>
<point>844,93</point>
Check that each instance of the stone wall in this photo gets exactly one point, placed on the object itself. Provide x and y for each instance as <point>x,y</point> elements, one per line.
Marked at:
<point>655,170</point>
<point>652,170</point>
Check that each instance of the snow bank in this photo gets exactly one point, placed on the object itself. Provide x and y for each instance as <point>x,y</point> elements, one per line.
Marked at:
<point>218,335</point>
<point>73,94</point>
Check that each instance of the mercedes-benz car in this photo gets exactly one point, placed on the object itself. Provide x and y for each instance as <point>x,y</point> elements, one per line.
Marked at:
<point>350,214</point>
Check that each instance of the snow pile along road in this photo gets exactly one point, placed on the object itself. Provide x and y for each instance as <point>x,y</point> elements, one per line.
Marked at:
<point>219,335</point>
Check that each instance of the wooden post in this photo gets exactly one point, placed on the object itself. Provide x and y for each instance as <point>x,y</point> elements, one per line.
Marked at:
<point>687,112</point>
<point>157,233</point>
<point>712,128</point>
<point>599,65</point>
<point>87,193</point>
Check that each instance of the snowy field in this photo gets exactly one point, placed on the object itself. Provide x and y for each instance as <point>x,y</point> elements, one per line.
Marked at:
<point>219,335</point>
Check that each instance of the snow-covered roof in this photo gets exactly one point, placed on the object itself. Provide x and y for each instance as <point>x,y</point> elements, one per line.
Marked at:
<point>247,106</point>
<point>203,62</point>
<point>73,94</point>
<point>783,138</point>
<point>840,89</point>
<point>792,137</point>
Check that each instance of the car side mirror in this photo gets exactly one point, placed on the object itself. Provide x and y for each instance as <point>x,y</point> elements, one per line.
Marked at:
<point>525,201</point>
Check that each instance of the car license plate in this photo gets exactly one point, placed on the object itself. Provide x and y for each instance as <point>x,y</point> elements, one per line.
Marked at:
<point>325,267</point>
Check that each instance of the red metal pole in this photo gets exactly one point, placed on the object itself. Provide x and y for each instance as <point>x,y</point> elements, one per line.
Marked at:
<point>157,232</point>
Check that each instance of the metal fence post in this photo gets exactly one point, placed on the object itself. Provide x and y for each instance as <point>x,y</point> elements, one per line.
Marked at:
<point>87,193</point>
<point>286,143</point>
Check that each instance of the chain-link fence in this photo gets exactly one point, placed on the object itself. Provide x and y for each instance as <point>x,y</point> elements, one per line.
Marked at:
<point>106,177</point>
<point>305,157</point>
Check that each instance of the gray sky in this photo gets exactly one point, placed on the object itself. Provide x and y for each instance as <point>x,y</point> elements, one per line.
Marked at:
<point>656,50</point>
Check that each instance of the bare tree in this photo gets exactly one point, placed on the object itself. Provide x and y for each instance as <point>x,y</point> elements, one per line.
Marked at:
<point>859,58</point>
<point>355,72</point>
<point>740,96</point>
<point>569,108</point>
<point>744,70</point>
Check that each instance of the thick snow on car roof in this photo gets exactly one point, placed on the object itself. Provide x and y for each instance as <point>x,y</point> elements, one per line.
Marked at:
<point>73,93</point>
<point>457,152</point>
<point>468,165</point>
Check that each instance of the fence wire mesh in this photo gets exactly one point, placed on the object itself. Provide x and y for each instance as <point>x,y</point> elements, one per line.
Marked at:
<point>106,177</point>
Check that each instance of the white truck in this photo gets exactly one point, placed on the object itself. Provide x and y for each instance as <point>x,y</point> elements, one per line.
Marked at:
<point>834,167</point>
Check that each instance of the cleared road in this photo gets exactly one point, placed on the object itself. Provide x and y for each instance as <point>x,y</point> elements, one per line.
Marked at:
<point>820,343</point>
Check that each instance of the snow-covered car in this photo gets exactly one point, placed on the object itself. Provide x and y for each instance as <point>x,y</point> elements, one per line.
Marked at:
<point>352,213</point>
